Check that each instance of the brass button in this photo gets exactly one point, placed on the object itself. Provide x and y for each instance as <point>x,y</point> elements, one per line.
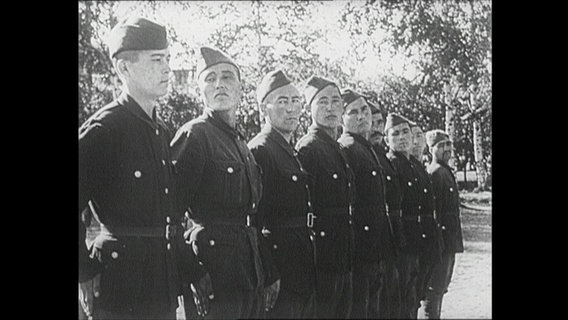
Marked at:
<point>451,189</point>
<point>347,165</point>
<point>419,207</point>
<point>409,184</point>
<point>166,190</point>
<point>366,228</point>
<point>164,162</point>
<point>349,184</point>
<point>425,190</point>
<point>322,234</point>
<point>157,132</point>
<point>230,170</point>
<point>309,203</point>
<point>169,246</point>
<point>443,227</point>
<point>211,242</point>
<point>114,254</point>
<point>335,176</point>
<point>137,174</point>
<point>350,222</point>
<point>275,246</point>
<point>253,205</point>
<point>294,178</point>
<point>374,173</point>
<point>168,220</point>
<point>424,235</point>
<point>388,178</point>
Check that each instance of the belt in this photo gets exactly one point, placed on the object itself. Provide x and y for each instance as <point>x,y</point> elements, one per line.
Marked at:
<point>229,221</point>
<point>297,222</point>
<point>120,231</point>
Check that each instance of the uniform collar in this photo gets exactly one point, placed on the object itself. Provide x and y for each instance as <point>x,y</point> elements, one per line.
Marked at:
<point>219,123</point>
<point>277,137</point>
<point>320,133</point>
<point>133,106</point>
<point>359,138</point>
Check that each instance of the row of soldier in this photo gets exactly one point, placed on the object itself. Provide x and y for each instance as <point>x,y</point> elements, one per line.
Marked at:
<point>339,226</point>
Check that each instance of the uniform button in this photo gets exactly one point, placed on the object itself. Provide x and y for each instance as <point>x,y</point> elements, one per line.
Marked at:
<point>322,234</point>
<point>168,220</point>
<point>451,189</point>
<point>200,263</point>
<point>350,222</point>
<point>164,162</point>
<point>253,205</point>
<point>230,170</point>
<point>294,178</point>
<point>335,176</point>
<point>415,179</point>
<point>374,173</point>
<point>388,178</point>
<point>114,254</point>
<point>349,184</point>
<point>366,228</point>
<point>443,227</point>
<point>347,165</point>
<point>425,190</point>
<point>419,207</point>
<point>137,174</point>
<point>275,246</point>
<point>409,183</point>
<point>211,242</point>
<point>309,203</point>
<point>424,235</point>
<point>169,246</point>
<point>157,132</point>
<point>166,190</point>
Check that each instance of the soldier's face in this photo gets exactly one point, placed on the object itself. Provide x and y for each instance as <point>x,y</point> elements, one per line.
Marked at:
<point>399,138</point>
<point>327,107</point>
<point>149,75</point>
<point>442,151</point>
<point>377,128</point>
<point>220,87</point>
<point>283,107</point>
<point>357,117</point>
<point>418,142</point>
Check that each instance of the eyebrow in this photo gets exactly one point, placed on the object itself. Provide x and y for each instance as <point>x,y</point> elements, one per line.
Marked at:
<point>282,97</point>
<point>227,72</point>
<point>157,55</point>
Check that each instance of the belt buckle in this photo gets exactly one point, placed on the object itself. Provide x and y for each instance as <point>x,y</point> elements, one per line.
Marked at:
<point>248,220</point>
<point>310,219</point>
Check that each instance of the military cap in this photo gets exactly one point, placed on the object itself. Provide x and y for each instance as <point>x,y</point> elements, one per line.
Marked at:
<point>349,96</point>
<point>271,81</point>
<point>136,33</point>
<point>375,107</point>
<point>314,85</point>
<point>394,119</point>
<point>413,124</point>
<point>435,136</point>
<point>209,57</point>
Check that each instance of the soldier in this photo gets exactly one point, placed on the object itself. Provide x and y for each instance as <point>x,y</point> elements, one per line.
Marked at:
<point>389,296</point>
<point>126,174</point>
<point>447,206</point>
<point>373,242</point>
<point>430,244</point>
<point>220,186</point>
<point>332,194</point>
<point>285,207</point>
<point>399,141</point>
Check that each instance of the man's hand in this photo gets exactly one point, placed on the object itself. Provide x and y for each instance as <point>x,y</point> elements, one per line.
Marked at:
<point>202,292</point>
<point>88,290</point>
<point>271,295</point>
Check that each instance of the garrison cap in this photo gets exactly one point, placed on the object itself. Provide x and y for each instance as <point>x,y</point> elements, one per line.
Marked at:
<point>435,136</point>
<point>375,107</point>
<point>271,81</point>
<point>136,33</point>
<point>209,57</point>
<point>314,85</point>
<point>394,119</point>
<point>413,124</point>
<point>349,96</point>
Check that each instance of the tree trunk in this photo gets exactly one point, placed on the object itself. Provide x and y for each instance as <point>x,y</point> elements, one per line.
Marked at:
<point>478,153</point>
<point>449,121</point>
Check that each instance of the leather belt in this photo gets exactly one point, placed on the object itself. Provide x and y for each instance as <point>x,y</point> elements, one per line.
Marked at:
<point>120,231</point>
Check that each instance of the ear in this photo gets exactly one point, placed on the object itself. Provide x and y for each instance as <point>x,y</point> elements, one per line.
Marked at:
<point>262,108</point>
<point>122,68</point>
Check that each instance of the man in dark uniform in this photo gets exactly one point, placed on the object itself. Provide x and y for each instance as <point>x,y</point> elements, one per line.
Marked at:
<point>430,244</point>
<point>285,207</point>
<point>373,238</point>
<point>399,141</point>
<point>125,172</point>
<point>220,186</point>
<point>332,193</point>
<point>447,204</point>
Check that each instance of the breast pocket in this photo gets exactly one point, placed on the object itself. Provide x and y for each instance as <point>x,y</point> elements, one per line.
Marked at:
<point>228,181</point>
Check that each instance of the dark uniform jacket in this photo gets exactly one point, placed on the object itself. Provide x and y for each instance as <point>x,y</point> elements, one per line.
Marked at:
<point>410,205</point>
<point>431,243</point>
<point>373,238</point>
<point>393,195</point>
<point>219,183</point>
<point>284,209</point>
<point>125,170</point>
<point>447,205</point>
<point>332,191</point>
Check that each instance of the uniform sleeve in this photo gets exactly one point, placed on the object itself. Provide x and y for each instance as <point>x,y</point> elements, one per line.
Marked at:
<point>264,211</point>
<point>188,157</point>
<point>94,162</point>
<point>438,188</point>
